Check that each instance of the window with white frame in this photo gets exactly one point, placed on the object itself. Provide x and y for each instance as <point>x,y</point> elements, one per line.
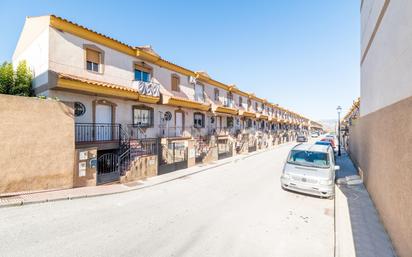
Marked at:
<point>216,92</point>
<point>93,60</point>
<point>143,116</point>
<point>199,92</point>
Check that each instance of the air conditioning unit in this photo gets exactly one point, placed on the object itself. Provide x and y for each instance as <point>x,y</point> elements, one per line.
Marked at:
<point>192,80</point>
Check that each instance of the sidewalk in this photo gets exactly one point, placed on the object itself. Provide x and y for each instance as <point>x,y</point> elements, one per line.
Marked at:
<point>7,200</point>
<point>358,230</point>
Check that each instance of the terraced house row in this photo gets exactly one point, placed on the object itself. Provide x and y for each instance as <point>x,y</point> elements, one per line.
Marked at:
<point>134,109</point>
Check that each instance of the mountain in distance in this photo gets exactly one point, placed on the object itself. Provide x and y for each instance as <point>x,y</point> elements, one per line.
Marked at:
<point>329,125</point>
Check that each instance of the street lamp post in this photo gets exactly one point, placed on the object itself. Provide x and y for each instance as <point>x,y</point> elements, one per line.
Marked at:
<point>339,109</point>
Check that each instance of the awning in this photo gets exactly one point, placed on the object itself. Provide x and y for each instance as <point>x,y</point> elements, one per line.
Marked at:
<point>247,114</point>
<point>226,110</point>
<point>92,87</point>
<point>182,102</point>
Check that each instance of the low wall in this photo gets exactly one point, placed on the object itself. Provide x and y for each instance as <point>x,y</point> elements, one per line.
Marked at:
<point>143,167</point>
<point>37,144</point>
<point>380,145</point>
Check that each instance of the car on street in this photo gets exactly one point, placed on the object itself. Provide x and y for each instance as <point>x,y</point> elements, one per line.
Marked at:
<point>323,143</point>
<point>331,141</point>
<point>310,169</point>
<point>301,138</point>
<point>314,134</point>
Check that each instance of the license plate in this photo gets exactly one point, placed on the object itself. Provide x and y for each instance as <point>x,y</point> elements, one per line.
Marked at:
<point>304,180</point>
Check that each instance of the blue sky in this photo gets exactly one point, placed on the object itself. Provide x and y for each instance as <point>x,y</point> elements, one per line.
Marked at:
<point>301,54</point>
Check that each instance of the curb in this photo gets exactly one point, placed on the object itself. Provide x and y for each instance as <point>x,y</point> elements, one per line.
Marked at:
<point>18,203</point>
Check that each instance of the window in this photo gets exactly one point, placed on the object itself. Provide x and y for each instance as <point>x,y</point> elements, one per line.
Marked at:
<point>199,92</point>
<point>309,158</point>
<point>249,103</point>
<point>93,60</point>
<point>198,120</point>
<point>256,106</point>
<point>216,94</point>
<point>175,83</point>
<point>142,72</point>
<point>229,121</point>
<point>240,101</point>
<point>143,116</point>
<point>229,99</point>
<point>249,123</point>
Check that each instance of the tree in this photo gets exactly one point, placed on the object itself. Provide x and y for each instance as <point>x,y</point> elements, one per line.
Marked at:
<point>6,78</point>
<point>22,82</point>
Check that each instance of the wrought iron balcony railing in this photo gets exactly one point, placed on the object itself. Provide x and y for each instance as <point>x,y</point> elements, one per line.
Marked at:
<point>166,131</point>
<point>97,132</point>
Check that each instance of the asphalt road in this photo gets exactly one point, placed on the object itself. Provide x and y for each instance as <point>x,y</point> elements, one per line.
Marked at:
<point>237,209</point>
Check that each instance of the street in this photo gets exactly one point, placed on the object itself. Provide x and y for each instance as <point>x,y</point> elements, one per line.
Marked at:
<point>238,209</point>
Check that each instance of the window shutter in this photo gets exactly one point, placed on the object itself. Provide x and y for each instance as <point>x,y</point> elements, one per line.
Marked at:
<point>92,56</point>
<point>143,68</point>
<point>203,120</point>
<point>151,118</point>
<point>175,83</point>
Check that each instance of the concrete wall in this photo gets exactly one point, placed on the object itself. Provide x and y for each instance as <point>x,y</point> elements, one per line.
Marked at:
<point>385,71</point>
<point>141,168</point>
<point>37,144</point>
<point>380,145</point>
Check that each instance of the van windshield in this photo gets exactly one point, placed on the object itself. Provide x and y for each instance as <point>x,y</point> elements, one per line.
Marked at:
<point>309,158</point>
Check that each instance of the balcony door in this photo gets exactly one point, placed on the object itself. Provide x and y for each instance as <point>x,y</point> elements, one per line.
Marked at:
<point>103,122</point>
<point>179,122</point>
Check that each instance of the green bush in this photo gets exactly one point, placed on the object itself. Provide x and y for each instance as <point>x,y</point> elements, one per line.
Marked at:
<point>6,77</point>
<point>17,82</point>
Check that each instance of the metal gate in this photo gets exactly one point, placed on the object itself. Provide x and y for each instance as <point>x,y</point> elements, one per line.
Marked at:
<point>224,149</point>
<point>172,157</point>
<point>107,168</point>
<point>202,148</point>
<point>252,145</point>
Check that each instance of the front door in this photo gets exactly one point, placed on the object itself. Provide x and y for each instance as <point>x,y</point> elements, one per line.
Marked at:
<point>179,124</point>
<point>103,126</point>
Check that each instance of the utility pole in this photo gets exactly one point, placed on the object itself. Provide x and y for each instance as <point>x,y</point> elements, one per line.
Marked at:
<point>339,109</point>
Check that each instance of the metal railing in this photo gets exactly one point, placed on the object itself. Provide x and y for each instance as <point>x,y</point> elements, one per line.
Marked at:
<point>146,146</point>
<point>136,131</point>
<point>165,131</point>
<point>222,131</point>
<point>229,103</point>
<point>96,132</point>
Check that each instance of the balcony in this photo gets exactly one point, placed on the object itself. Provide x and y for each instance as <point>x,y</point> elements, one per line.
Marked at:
<point>199,98</point>
<point>102,135</point>
<point>229,103</point>
<point>147,88</point>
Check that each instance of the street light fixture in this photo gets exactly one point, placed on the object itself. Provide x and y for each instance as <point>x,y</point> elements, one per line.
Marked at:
<point>339,109</point>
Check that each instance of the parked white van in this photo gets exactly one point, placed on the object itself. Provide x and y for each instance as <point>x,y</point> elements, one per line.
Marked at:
<point>310,169</point>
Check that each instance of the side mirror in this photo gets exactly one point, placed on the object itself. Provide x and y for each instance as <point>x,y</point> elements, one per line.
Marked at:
<point>337,167</point>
